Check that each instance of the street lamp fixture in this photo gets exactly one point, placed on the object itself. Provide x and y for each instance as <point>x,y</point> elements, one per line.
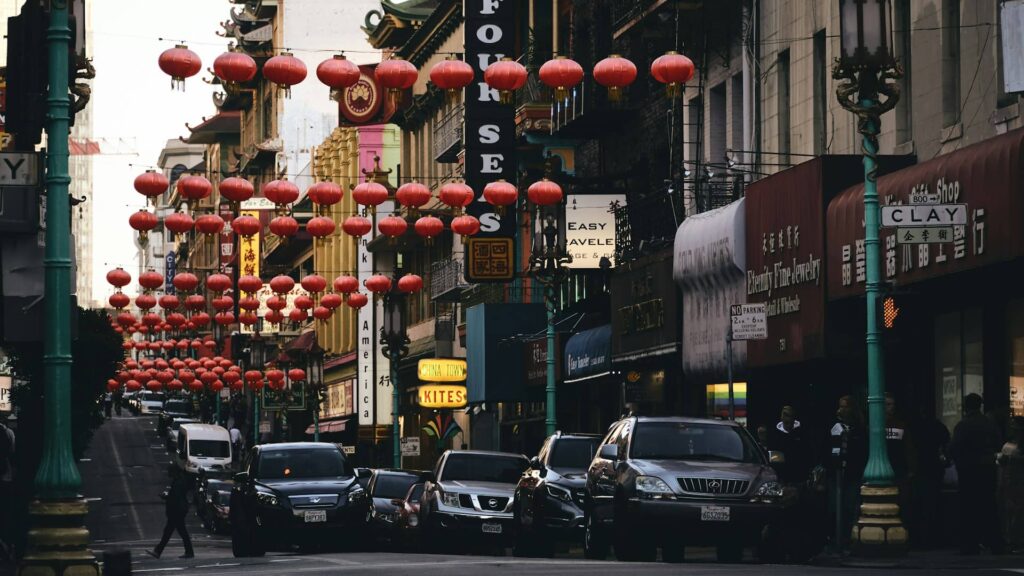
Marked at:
<point>257,359</point>
<point>395,344</point>
<point>315,382</point>
<point>865,72</point>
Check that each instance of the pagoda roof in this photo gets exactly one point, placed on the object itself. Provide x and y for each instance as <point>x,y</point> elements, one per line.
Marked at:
<point>394,23</point>
<point>210,129</point>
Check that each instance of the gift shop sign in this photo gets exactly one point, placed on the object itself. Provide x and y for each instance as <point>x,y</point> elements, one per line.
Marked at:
<point>590,228</point>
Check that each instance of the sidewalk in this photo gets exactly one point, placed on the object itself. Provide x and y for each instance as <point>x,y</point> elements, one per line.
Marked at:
<point>945,559</point>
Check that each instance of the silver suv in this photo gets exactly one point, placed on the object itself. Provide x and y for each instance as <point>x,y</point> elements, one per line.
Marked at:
<point>469,495</point>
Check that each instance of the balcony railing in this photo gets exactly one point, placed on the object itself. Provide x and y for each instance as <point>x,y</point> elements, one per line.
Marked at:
<point>448,136</point>
<point>647,224</point>
<point>446,280</point>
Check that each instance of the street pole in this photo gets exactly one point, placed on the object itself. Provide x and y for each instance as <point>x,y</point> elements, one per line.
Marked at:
<point>58,542</point>
<point>550,419</point>
<point>396,444</point>
<point>728,352</point>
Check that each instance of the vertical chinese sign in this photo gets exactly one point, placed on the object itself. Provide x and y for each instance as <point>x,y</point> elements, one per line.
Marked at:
<point>227,242</point>
<point>249,250</point>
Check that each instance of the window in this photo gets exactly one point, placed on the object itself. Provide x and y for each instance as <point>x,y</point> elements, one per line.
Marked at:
<point>209,449</point>
<point>821,94</point>
<point>1016,333</point>
<point>782,101</point>
<point>483,468</point>
<point>268,117</point>
<point>717,125</point>
<point>393,485</point>
<point>904,122</point>
<point>736,95</point>
<point>959,369</point>
<point>950,62</point>
<point>1003,98</point>
<point>695,113</point>
<point>302,463</point>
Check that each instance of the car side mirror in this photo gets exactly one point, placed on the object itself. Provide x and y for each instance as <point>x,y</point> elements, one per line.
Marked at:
<point>397,502</point>
<point>364,472</point>
<point>536,464</point>
<point>241,477</point>
<point>609,452</point>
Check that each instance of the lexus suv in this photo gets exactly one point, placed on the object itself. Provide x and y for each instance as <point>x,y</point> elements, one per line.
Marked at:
<point>294,493</point>
<point>548,504</point>
<point>673,482</point>
<point>468,498</point>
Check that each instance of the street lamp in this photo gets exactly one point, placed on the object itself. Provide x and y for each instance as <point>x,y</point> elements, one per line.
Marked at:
<point>315,381</point>
<point>865,71</point>
<point>548,262</point>
<point>257,359</point>
<point>395,344</point>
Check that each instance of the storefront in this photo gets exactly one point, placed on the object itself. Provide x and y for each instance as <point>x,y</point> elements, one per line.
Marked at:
<point>954,316</point>
<point>645,340</point>
<point>590,392</point>
<point>709,267</point>
<point>338,409</point>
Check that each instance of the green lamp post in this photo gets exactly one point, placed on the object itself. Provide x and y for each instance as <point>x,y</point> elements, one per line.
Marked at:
<point>58,542</point>
<point>395,343</point>
<point>865,71</point>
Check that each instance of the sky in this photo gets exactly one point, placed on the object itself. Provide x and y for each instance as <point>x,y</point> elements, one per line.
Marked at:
<point>132,99</point>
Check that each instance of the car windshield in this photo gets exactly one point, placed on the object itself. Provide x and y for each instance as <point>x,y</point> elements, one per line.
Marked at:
<point>302,463</point>
<point>692,441</point>
<point>209,448</point>
<point>178,406</point>
<point>152,397</point>
<point>393,485</point>
<point>573,452</point>
<point>484,468</point>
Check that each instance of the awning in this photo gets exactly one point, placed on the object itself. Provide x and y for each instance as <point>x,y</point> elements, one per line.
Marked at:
<point>329,426</point>
<point>304,343</point>
<point>589,354</point>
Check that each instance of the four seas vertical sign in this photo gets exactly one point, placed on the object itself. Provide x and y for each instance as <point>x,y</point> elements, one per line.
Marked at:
<point>489,139</point>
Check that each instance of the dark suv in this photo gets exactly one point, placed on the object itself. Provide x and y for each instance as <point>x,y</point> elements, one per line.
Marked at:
<point>548,505</point>
<point>673,482</point>
<point>294,493</point>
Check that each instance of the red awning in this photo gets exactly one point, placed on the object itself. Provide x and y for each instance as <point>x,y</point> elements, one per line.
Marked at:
<point>329,426</point>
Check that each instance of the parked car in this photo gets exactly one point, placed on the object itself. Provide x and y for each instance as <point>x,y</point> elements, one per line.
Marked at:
<point>202,446</point>
<point>406,527</point>
<point>672,482</point>
<point>363,476</point>
<point>294,493</point>
<point>213,498</point>
<point>548,504</point>
<point>385,491</point>
<point>150,403</point>
<point>173,408</point>
<point>468,499</point>
<point>172,431</point>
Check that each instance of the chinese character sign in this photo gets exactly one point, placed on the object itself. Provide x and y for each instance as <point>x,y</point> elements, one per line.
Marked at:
<point>249,250</point>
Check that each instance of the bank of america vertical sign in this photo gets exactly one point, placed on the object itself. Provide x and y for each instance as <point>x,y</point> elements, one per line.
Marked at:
<point>489,139</point>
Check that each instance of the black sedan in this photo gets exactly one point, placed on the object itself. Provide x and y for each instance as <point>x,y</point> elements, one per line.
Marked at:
<point>387,487</point>
<point>213,498</point>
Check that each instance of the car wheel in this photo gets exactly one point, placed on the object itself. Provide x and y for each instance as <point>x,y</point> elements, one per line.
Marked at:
<point>673,553</point>
<point>731,552</point>
<point>628,547</point>
<point>595,542</point>
<point>256,546</point>
<point>239,539</point>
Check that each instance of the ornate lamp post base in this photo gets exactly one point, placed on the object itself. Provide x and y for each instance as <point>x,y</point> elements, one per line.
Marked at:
<point>58,543</point>
<point>879,532</point>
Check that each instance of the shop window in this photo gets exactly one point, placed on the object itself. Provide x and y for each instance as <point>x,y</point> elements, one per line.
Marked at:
<point>1016,332</point>
<point>959,368</point>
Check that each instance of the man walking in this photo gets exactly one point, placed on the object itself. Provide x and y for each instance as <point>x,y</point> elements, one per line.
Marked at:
<point>975,444</point>
<point>176,508</point>
<point>6,488</point>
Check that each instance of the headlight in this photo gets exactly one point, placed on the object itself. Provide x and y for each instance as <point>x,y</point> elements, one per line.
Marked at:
<point>356,492</point>
<point>266,499</point>
<point>414,521</point>
<point>559,493</point>
<point>450,499</point>
<point>652,487</point>
<point>769,491</point>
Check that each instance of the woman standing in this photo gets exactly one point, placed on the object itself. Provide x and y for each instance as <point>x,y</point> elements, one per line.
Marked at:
<point>1011,485</point>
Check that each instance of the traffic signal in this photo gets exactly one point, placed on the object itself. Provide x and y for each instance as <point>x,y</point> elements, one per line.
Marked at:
<point>889,311</point>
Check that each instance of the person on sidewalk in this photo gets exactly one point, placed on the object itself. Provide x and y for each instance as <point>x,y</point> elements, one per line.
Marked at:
<point>847,455</point>
<point>898,447</point>
<point>788,448</point>
<point>236,444</point>
<point>928,466</point>
<point>975,444</point>
<point>1011,485</point>
<point>7,492</point>
<point>176,508</point>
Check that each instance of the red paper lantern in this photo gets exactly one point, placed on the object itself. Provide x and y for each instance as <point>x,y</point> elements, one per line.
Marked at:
<point>330,301</point>
<point>505,76</point>
<point>112,385</point>
<point>200,319</point>
<point>151,280</point>
<point>253,375</point>
<point>248,318</point>
<point>151,183</point>
<point>314,283</point>
<point>298,315</point>
<point>195,302</point>
<point>392,226</point>
<point>224,318</point>
<point>132,386</point>
<point>320,226</point>
<point>672,69</point>
<point>561,74</point>
<point>284,226</point>
<point>544,193</point>
<point>410,283</point>
<point>249,303</point>
<point>412,195</point>
<point>183,345</point>
<point>346,284</point>
<point>119,300</point>
<point>322,313</point>
<point>277,303</point>
<point>282,284</point>
<point>231,377</point>
<point>296,374</point>
<point>250,284</point>
<point>143,221</point>
<point>246,226</point>
<point>179,63</point>
<point>451,75</point>
<point>236,189</point>
<point>118,278</point>
<point>185,281</point>
<point>176,320</point>
<point>465,225</point>
<point>456,194</point>
<point>154,386</point>
<point>169,302</point>
<point>234,66</point>
<point>357,300</point>
<point>210,224</point>
<point>281,192</point>
<point>285,70</point>
<point>378,284</point>
<point>179,223</point>
<point>615,73</point>
<point>501,194</point>
<point>125,319</point>
<point>302,302</point>
<point>217,283</point>
<point>222,303</point>
<point>275,375</point>
<point>193,187</point>
<point>356,226</point>
<point>195,386</point>
<point>369,194</point>
<point>428,227</point>
<point>325,194</point>
<point>338,73</point>
<point>396,75</point>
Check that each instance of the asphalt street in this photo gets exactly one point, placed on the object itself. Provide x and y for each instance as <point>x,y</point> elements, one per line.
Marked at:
<point>126,469</point>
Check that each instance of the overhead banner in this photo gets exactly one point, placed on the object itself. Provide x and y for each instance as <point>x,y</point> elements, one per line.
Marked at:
<point>227,241</point>
<point>170,268</point>
<point>490,138</point>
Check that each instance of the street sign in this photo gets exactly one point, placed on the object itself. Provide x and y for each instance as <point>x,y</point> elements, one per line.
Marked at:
<point>410,446</point>
<point>749,321</point>
<point>919,215</point>
<point>925,235</point>
<point>19,169</point>
<point>265,427</point>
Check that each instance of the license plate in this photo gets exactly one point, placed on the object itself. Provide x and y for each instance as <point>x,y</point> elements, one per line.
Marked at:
<point>316,516</point>
<point>714,513</point>
<point>491,528</point>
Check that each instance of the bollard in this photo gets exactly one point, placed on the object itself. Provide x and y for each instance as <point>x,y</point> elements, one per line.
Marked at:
<point>117,563</point>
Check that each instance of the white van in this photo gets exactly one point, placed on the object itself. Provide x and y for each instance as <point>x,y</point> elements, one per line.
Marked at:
<point>203,446</point>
